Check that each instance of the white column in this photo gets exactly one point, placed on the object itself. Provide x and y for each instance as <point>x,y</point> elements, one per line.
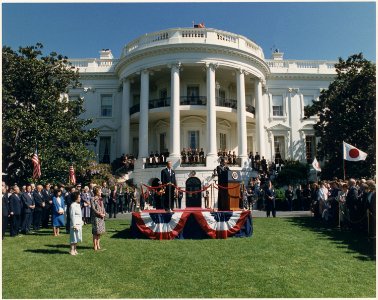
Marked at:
<point>242,119</point>
<point>143,115</point>
<point>260,118</point>
<point>211,112</point>
<point>125,121</point>
<point>174,140</point>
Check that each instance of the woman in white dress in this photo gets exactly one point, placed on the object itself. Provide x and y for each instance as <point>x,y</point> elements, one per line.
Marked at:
<point>76,228</point>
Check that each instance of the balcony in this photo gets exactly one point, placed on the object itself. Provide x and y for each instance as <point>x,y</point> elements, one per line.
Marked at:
<point>192,100</point>
<point>206,36</point>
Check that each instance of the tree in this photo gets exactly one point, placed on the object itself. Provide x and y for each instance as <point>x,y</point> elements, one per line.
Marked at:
<point>293,172</point>
<point>37,111</point>
<point>346,112</point>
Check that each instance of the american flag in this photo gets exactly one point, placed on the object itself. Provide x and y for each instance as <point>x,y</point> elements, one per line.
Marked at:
<point>36,165</point>
<point>72,176</point>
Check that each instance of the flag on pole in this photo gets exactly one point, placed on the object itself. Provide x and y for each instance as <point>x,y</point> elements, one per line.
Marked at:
<point>316,165</point>
<point>72,177</point>
<point>351,153</point>
<point>36,165</point>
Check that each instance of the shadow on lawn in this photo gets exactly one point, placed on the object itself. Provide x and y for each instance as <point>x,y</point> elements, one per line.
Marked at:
<point>65,246</point>
<point>351,241</point>
<point>122,234</point>
<point>47,251</point>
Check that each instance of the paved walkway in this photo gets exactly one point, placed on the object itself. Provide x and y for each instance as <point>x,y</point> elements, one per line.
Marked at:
<point>255,214</point>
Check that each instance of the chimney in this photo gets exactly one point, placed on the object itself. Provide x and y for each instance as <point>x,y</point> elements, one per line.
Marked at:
<point>277,55</point>
<point>106,54</point>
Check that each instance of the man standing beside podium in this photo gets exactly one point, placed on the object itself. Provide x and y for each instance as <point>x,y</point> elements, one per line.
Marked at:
<point>222,172</point>
<point>168,176</point>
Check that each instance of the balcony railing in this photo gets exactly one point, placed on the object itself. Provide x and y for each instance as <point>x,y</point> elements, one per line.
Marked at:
<point>208,36</point>
<point>192,100</point>
<point>301,66</point>
<point>231,103</point>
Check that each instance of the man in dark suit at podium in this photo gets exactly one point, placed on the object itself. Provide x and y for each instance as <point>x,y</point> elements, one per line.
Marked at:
<point>169,176</point>
<point>222,172</point>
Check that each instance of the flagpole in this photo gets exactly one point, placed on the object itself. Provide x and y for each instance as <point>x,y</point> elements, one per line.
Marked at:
<point>344,168</point>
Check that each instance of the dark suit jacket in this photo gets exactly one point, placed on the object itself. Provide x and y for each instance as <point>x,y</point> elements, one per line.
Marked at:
<point>47,196</point>
<point>222,174</point>
<point>5,205</point>
<point>38,199</point>
<point>15,204</point>
<point>165,177</point>
<point>27,201</point>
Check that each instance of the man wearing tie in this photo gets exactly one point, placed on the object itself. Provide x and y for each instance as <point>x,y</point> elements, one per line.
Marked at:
<point>29,205</point>
<point>47,198</point>
<point>168,176</point>
<point>15,208</point>
<point>222,172</point>
<point>39,205</point>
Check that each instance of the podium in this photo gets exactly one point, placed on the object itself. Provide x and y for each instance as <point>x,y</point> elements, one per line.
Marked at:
<point>234,180</point>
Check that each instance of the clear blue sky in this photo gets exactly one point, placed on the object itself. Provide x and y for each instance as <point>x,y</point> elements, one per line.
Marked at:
<point>300,30</point>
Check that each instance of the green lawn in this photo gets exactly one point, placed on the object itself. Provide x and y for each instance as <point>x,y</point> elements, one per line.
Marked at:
<point>285,257</point>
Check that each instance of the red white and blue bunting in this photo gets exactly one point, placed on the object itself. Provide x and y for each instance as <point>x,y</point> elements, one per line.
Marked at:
<point>166,226</point>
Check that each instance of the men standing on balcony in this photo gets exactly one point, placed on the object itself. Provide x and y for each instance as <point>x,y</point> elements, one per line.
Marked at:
<point>168,178</point>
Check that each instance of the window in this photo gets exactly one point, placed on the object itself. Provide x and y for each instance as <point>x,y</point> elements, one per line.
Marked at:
<point>193,91</point>
<point>193,139</point>
<point>135,146</point>
<point>106,105</point>
<point>279,149</point>
<point>163,94</point>
<point>277,106</point>
<point>249,144</point>
<point>104,151</point>
<point>222,141</point>
<point>163,144</point>
<point>307,100</point>
<point>310,148</point>
<point>222,94</point>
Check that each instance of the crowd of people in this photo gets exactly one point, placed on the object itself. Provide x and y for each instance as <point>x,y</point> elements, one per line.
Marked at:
<point>27,209</point>
<point>349,204</point>
<point>157,159</point>
<point>192,156</point>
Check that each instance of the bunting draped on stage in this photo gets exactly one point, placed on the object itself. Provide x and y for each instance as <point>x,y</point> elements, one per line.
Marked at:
<point>191,224</point>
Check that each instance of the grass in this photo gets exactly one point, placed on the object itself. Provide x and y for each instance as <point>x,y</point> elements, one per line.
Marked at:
<point>285,257</point>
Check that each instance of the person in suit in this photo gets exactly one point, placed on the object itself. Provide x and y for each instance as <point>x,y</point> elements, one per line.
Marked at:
<point>46,212</point>
<point>68,201</point>
<point>270,199</point>
<point>113,203</point>
<point>58,207</point>
<point>168,177</point>
<point>5,207</point>
<point>105,195</point>
<point>29,205</point>
<point>15,210</point>
<point>39,206</point>
<point>257,161</point>
<point>76,218</point>
<point>289,195</point>
<point>222,172</point>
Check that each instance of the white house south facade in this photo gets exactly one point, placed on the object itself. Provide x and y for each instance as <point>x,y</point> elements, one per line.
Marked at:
<point>199,88</point>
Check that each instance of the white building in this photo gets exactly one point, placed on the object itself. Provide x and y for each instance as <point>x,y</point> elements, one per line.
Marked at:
<point>200,88</point>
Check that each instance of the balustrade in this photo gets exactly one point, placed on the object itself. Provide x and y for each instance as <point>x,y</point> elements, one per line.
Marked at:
<point>195,100</point>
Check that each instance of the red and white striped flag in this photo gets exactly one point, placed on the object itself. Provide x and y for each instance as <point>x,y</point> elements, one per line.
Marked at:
<point>72,177</point>
<point>36,165</point>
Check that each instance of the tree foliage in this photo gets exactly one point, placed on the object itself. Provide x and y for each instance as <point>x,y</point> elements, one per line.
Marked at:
<point>346,112</point>
<point>293,172</point>
<point>35,111</point>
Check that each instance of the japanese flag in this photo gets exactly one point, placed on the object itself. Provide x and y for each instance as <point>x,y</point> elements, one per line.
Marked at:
<point>315,165</point>
<point>351,153</point>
